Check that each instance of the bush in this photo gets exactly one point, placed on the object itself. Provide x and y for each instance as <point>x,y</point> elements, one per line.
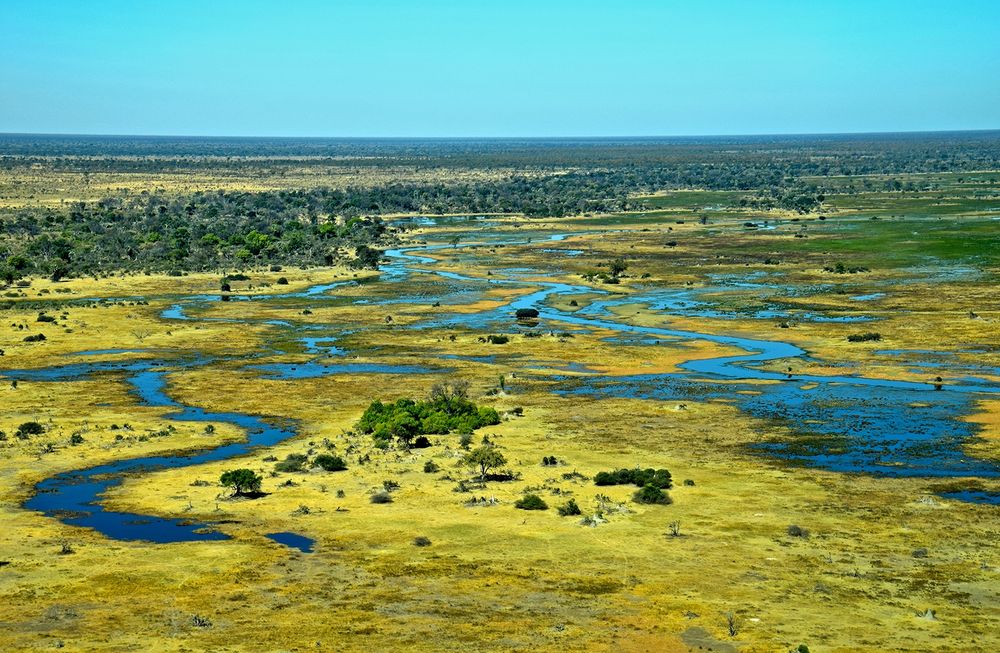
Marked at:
<point>526,313</point>
<point>29,428</point>
<point>381,497</point>
<point>797,531</point>
<point>42,317</point>
<point>76,439</point>
<point>431,467</point>
<point>531,502</point>
<point>497,339</point>
<point>390,485</point>
<point>38,337</point>
<point>659,478</point>
<point>549,461</point>
<point>651,494</point>
<point>569,509</point>
<point>293,462</point>
<point>864,337</point>
<point>420,540</point>
<point>243,481</point>
<point>282,281</point>
<point>331,463</point>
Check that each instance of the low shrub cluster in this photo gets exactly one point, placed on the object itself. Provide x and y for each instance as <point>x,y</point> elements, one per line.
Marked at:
<point>658,478</point>
<point>330,462</point>
<point>531,502</point>
<point>651,494</point>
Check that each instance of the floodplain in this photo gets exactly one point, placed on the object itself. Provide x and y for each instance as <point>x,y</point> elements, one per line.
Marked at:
<point>823,386</point>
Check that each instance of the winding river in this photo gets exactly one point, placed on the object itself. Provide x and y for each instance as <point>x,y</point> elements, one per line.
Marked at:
<point>855,424</point>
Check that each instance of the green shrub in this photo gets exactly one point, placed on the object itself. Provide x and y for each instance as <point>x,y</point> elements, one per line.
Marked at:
<point>331,463</point>
<point>28,429</point>
<point>659,478</point>
<point>431,467</point>
<point>293,462</point>
<point>381,497</point>
<point>531,502</point>
<point>651,494</point>
<point>569,509</point>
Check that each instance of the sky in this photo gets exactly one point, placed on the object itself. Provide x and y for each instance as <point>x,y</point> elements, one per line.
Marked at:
<point>501,68</point>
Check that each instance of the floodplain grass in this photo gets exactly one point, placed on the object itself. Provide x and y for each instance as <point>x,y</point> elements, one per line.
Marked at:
<point>497,577</point>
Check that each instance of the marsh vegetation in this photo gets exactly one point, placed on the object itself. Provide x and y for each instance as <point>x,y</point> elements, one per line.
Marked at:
<point>477,435</point>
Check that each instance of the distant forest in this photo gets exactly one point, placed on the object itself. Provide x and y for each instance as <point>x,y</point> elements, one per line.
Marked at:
<point>537,178</point>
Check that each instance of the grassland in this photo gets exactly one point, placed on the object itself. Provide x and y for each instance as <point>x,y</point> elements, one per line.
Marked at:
<point>880,551</point>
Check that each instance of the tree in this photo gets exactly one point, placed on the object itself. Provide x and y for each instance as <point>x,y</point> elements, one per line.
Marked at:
<point>449,394</point>
<point>256,242</point>
<point>366,257</point>
<point>243,481</point>
<point>8,274</point>
<point>618,266</point>
<point>486,458</point>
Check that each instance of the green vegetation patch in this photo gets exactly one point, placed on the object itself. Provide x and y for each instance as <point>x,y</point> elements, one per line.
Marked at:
<point>447,409</point>
<point>659,478</point>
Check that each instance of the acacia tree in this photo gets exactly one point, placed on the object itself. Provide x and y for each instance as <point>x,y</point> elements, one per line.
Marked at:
<point>243,481</point>
<point>486,458</point>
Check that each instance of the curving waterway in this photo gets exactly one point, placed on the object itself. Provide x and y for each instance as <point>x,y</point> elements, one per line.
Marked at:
<point>847,423</point>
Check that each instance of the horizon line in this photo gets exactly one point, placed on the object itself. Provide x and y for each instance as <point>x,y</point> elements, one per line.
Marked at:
<point>508,137</point>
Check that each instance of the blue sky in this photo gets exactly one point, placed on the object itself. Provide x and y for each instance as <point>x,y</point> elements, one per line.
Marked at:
<point>504,68</point>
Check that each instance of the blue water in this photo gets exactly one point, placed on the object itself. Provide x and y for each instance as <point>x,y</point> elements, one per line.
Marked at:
<point>312,370</point>
<point>293,540</point>
<point>74,497</point>
<point>321,345</point>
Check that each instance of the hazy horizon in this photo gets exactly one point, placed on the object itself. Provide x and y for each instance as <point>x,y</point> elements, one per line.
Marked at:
<point>512,137</point>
